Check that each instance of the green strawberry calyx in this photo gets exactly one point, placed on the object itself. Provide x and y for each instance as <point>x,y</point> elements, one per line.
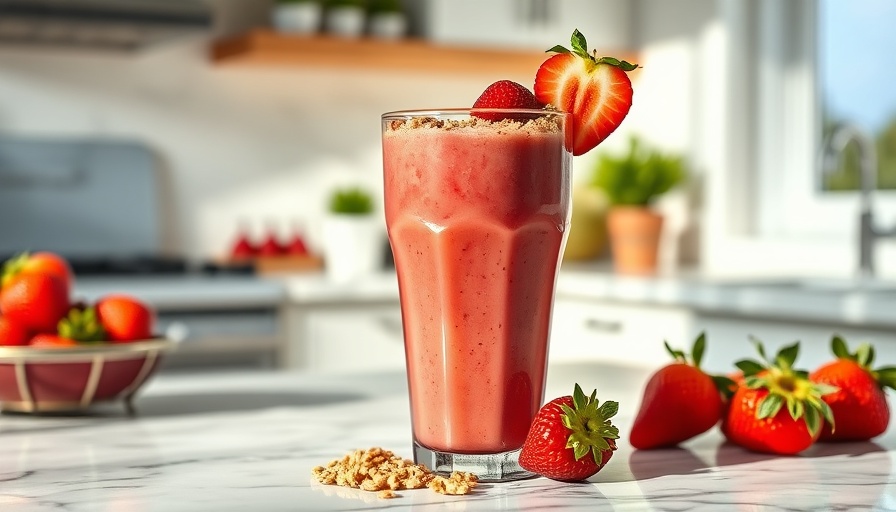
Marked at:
<point>13,266</point>
<point>82,325</point>
<point>788,387</point>
<point>580,48</point>
<point>864,357</point>
<point>724,384</point>
<point>589,423</point>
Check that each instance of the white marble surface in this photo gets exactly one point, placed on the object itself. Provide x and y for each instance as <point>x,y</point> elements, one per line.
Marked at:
<point>248,442</point>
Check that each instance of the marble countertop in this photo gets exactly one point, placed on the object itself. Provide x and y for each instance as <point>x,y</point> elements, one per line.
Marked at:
<point>248,441</point>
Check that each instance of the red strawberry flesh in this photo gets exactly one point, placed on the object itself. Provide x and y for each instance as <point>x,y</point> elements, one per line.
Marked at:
<point>595,91</point>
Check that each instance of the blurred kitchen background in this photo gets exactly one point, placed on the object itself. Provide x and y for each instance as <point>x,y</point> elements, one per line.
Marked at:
<point>189,151</point>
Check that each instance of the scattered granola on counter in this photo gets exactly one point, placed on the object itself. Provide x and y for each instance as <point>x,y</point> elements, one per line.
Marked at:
<point>383,472</point>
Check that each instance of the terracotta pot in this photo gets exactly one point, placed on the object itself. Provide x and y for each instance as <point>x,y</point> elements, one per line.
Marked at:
<point>634,238</point>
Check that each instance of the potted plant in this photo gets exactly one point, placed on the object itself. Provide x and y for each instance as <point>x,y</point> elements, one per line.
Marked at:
<point>387,19</point>
<point>297,16</point>
<point>352,235</point>
<point>345,18</point>
<point>632,181</point>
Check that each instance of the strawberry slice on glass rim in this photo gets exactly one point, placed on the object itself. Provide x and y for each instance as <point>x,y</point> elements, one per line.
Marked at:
<point>596,91</point>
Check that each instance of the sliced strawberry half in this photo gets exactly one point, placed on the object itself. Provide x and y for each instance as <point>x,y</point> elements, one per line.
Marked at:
<point>504,94</point>
<point>595,90</point>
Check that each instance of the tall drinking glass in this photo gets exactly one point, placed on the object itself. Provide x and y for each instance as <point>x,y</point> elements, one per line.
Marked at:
<point>477,214</point>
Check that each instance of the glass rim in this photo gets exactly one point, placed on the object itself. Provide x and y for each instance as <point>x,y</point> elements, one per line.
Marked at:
<point>442,112</point>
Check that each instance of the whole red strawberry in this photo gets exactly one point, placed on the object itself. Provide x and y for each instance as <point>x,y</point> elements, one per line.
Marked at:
<point>35,300</point>
<point>125,318</point>
<point>777,410</point>
<point>680,401</point>
<point>12,333</point>
<point>596,91</point>
<point>860,407</point>
<point>504,94</point>
<point>38,263</point>
<point>52,341</point>
<point>571,437</point>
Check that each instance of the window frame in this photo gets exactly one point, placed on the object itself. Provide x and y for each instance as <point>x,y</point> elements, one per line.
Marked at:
<point>766,211</point>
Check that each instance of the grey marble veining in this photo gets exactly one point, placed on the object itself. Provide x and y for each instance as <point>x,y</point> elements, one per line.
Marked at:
<point>248,442</point>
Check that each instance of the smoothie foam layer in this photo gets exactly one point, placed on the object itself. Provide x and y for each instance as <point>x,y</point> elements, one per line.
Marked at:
<point>477,214</point>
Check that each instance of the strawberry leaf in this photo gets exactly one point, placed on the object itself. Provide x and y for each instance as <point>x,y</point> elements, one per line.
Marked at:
<point>579,44</point>
<point>864,355</point>
<point>754,382</point>
<point>699,348</point>
<point>578,397</point>
<point>621,64</point>
<point>839,348</point>
<point>826,412</point>
<point>567,416</point>
<point>749,367</point>
<point>759,348</point>
<point>794,407</point>
<point>608,409</point>
<point>886,377</point>
<point>769,406</point>
<point>676,354</point>
<point>558,49</point>
<point>824,389</point>
<point>787,355</point>
<point>724,384</point>
<point>813,421</point>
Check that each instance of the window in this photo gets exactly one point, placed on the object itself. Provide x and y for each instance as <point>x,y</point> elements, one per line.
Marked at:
<point>767,208</point>
<point>856,77</point>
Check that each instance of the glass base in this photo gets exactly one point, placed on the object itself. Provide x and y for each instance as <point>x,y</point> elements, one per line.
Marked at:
<point>490,467</point>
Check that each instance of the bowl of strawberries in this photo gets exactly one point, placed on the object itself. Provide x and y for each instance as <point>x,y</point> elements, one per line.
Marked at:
<point>61,355</point>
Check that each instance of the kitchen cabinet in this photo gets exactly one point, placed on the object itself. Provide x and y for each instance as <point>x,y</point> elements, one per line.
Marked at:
<point>359,336</point>
<point>728,339</point>
<point>534,24</point>
<point>616,332</point>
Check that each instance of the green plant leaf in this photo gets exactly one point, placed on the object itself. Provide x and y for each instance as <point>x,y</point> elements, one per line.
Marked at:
<point>639,176</point>
<point>351,201</point>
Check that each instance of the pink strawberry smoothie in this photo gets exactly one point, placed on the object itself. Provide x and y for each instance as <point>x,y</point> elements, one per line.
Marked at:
<point>477,214</point>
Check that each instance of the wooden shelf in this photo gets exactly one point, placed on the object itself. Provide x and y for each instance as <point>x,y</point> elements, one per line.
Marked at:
<point>265,47</point>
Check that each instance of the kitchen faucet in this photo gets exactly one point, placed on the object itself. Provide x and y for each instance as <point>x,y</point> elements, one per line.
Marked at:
<point>834,148</point>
